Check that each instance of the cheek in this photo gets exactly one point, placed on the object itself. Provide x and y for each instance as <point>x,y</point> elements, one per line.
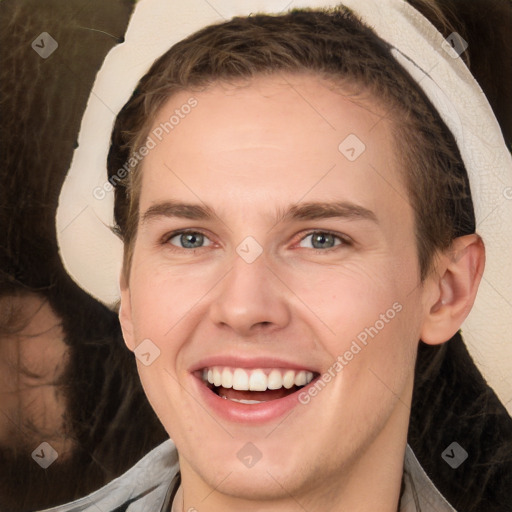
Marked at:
<point>161,296</point>
<point>368,316</point>
<point>353,296</point>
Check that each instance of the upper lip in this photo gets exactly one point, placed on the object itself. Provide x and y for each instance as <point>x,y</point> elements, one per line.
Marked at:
<point>248,362</point>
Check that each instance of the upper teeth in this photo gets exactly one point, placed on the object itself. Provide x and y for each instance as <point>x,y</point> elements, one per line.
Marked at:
<point>255,380</point>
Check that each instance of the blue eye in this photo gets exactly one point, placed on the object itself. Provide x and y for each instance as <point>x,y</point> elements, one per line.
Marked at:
<point>323,240</point>
<point>319,240</point>
<point>189,240</point>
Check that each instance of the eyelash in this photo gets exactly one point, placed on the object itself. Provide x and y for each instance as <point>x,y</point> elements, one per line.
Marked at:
<point>344,239</point>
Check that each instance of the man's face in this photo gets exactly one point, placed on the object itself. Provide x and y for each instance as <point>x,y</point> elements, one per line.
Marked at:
<point>273,281</point>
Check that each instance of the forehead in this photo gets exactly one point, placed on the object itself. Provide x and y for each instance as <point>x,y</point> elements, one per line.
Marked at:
<point>273,140</point>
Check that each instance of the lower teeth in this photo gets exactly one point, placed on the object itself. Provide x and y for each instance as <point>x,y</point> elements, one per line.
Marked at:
<point>243,401</point>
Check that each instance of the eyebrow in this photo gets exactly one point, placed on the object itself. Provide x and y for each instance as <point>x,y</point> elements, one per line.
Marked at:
<point>302,211</point>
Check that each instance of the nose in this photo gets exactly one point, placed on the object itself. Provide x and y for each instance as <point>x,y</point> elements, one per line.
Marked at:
<point>250,299</point>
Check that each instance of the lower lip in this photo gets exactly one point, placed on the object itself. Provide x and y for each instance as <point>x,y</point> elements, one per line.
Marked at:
<point>249,413</point>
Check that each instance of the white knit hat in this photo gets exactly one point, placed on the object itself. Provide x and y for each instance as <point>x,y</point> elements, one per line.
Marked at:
<point>92,254</point>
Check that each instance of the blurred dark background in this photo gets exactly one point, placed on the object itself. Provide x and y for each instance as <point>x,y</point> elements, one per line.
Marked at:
<point>66,377</point>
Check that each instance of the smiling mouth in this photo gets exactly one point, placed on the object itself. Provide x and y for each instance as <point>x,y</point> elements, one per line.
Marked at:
<point>254,386</point>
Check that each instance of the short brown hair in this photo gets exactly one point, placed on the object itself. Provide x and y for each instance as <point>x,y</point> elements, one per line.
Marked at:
<point>330,43</point>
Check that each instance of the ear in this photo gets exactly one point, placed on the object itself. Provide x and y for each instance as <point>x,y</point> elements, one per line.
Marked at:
<point>125,313</point>
<point>452,290</point>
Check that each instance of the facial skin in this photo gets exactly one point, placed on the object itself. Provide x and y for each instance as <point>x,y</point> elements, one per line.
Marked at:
<point>248,153</point>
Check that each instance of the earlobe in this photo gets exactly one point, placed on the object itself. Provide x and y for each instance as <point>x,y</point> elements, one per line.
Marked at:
<point>125,314</point>
<point>453,289</point>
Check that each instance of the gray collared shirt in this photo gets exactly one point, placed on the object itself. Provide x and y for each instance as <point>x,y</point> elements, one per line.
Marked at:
<point>153,483</point>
